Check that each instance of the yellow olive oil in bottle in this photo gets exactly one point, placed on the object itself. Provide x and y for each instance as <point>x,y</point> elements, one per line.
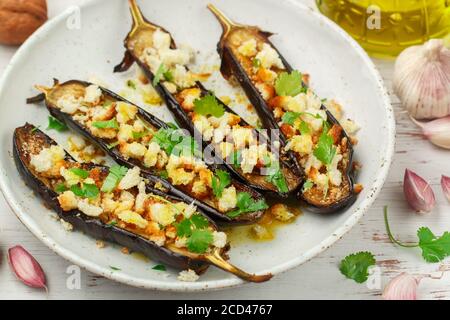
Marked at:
<point>386,27</point>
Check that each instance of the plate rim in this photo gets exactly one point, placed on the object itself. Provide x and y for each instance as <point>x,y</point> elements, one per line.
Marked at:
<point>153,284</point>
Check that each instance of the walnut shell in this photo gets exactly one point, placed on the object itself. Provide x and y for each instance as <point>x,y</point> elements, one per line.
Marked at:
<point>20,18</point>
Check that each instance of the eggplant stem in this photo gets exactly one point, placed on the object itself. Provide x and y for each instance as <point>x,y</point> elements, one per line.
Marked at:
<point>217,260</point>
<point>138,18</point>
<point>227,23</point>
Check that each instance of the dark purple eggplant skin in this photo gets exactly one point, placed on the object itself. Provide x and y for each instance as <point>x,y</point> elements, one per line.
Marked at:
<point>231,67</point>
<point>91,226</point>
<point>184,121</point>
<point>220,218</point>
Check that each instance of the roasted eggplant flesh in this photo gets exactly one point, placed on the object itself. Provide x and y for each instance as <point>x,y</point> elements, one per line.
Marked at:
<point>234,141</point>
<point>321,148</point>
<point>116,204</point>
<point>135,138</point>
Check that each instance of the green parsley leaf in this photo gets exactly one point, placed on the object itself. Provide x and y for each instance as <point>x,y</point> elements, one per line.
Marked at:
<point>307,185</point>
<point>199,241</point>
<point>164,174</point>
<point>114,268</point>
<point>186,226</point>
<point>113,145</point>
<point>116,173</point>
<point>235,158</point>
<point>290,117</point>
<point>356,266</point>
<point>220,181</point>
<point>87,191</point>
<point>277,178</point>
<point>79,172</point>
<point>168,75</point>
<point>246,203</point>
<point>139,135</point>
<point>109,124</point>
<point>289,84</point>
<point>434,249</point>
<point>172,141</point>
<point>55,124</point>
<point>162,69</point>
<point>113,223</point>
<point>60,188</point>
<point>131,84</point>
<point>325,149</point>
<point>304,128</point>
<point>199,221</point>
<point>208,105</point>
<point>159,267</point>
<point>256,63</point>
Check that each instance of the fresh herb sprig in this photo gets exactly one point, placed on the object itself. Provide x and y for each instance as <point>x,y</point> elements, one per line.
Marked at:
<point>289,84</point>
<point>356,266</point>
<point>208,105</point>
<point>246,203</point>
<point>55,124</point>
<point>434,248</point>
<point>220,181</point>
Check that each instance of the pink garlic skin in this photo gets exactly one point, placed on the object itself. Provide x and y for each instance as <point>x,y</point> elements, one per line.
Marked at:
<point>445,183</point>
<point>422,80</point>
<point>418,193</point>
<point>402,287</point>
<point>26,268</point>
<point>437,131</point>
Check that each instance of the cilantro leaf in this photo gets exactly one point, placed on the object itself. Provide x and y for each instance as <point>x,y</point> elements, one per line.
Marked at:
<point>235,158</point>
<point>289,84</point>
<point>307,185</point>
<point>290,117</point>
<point>87,191</point>
<point>277,178</point>
<point>199,221</point>
<point>246,203</point>
<point>139,135</point>
<point>172,141</point>
<point>162,71</point>
<point>304,128</point>
<point>55,124</point>
<point>220,181</point>
<point>355,266</point>
<point>114,268</point>
<point>79,172</point>
<point>116,173</point>
<point>325,149</point>
<point>434,249</point>
<point>113,145</point>
<point>60,188</point>
<point>159,267</point>
<point>109,124</point>
<point>187,225</point>
<point>199,241</point>
<point>208,105</point>
<point>256,63</point>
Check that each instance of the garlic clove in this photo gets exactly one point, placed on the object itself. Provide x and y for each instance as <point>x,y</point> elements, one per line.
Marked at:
<point>445,183</point>
<point>418,193</point>
<point>26,268</point>
<point>422,80</point>
<point>402,287</point>
<point>436,131</point>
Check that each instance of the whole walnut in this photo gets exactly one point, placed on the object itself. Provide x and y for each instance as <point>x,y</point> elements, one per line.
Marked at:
<point>20,18</point>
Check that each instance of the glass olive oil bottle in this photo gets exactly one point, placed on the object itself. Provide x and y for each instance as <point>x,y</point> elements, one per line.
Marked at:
<point>386,27</point>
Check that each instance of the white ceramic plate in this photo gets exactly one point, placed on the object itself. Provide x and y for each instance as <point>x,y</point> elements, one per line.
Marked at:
<point>339,69</point>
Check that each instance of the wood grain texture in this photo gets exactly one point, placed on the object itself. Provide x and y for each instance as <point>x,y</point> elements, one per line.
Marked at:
<point>317,279</point>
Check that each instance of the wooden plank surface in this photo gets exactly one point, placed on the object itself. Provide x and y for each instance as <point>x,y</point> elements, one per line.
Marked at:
<point>319,278</point>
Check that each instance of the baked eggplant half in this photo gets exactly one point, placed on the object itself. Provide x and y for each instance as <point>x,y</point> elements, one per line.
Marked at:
<point>115,204</point>
<point>168,157</point>
<point>232,141</point>
<point>311,135</point>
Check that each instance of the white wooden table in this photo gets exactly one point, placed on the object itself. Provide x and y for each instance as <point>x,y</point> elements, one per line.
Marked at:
<point>319,278</point>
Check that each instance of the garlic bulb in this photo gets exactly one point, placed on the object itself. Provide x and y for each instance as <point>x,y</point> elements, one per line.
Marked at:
<point>422,80</point>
